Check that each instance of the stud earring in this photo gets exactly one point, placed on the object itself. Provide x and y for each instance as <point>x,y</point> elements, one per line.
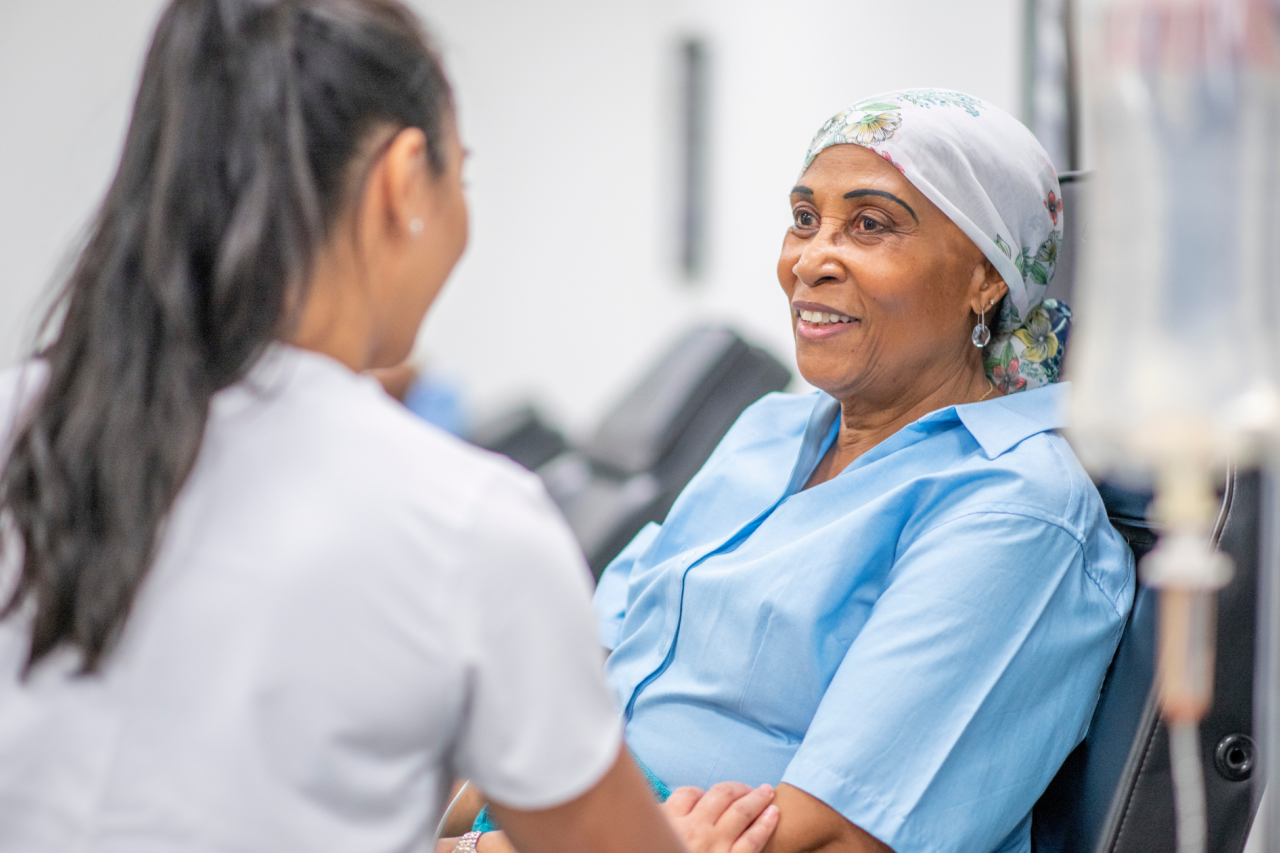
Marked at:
<point>981,334</point>
<point>415,226</point>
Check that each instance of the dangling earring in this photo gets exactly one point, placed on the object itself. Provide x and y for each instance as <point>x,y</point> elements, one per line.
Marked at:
<point>981,334</point>
<point>415,226</point>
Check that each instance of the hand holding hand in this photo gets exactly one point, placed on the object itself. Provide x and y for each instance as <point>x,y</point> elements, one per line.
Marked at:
<point>729,818</point>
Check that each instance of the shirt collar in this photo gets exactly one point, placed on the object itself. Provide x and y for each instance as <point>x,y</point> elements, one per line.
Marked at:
<point>997,425</point>
<point>1000,424</point>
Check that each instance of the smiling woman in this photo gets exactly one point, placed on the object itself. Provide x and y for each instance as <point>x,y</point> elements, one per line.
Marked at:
<point>896,598</point>
<point>883,299</point>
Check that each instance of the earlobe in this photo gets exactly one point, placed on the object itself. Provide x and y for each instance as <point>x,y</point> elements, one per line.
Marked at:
<point>985,305</point>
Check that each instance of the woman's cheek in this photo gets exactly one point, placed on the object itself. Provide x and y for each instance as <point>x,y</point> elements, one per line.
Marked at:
<point>787,260</point>
<point>895,288</point>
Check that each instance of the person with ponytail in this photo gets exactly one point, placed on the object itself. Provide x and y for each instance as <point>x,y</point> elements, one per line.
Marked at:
<point>249,603</point>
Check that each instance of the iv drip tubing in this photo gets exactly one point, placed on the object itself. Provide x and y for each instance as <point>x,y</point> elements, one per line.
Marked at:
<point>1188,785</point>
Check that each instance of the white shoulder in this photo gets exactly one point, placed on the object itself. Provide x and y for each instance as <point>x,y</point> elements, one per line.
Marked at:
<point>425,453</point>
<point>509,537</point>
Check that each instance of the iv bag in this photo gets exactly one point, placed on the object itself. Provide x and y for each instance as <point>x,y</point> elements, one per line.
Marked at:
<point>1176,351</point>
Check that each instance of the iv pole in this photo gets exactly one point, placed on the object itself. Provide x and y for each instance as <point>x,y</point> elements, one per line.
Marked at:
<point>1182,279</point>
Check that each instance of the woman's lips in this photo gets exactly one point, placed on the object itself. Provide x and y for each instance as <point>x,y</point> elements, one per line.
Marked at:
<point>818,322</point>
<point>816,332</point>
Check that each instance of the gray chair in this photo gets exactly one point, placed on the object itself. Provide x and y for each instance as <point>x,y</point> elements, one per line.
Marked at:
<point>629,471</point>
<point>649,446</point>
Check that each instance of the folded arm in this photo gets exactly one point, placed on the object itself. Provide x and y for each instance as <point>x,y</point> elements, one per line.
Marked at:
<point>808,825</point>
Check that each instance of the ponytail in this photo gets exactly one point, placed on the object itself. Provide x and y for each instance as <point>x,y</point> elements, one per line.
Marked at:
<point>235,167</point>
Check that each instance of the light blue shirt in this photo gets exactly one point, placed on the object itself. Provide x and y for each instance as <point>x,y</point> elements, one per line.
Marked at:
<point>918,642</point>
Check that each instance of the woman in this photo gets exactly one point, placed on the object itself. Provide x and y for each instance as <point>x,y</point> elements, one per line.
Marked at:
<point>236,619</point>
<point>895,598</point>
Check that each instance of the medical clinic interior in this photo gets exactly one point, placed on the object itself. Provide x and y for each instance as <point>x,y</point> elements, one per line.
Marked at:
<point>640,426</point>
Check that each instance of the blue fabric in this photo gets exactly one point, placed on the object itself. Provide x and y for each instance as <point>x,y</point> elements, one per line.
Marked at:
<point>918,642</point>
<point>484,821</point>
<point>437,401</point>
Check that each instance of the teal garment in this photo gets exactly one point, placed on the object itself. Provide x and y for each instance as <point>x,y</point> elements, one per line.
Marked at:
<point>484,823</point>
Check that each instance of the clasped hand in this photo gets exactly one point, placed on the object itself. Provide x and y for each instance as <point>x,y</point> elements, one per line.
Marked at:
<point>731,817</point>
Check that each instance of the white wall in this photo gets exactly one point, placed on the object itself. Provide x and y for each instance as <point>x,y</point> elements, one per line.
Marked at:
<point>67,75</point>
<point>569,287</point>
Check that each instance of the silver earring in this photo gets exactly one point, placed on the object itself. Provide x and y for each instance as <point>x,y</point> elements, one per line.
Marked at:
<point>415,226</point>
<point>981,334</point>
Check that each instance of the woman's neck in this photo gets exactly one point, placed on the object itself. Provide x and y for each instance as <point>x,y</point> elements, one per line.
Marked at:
<point>335,318</point>
<point>865,421</point>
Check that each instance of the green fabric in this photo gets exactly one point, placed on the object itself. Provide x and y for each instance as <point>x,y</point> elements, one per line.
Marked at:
<point>484,822</point>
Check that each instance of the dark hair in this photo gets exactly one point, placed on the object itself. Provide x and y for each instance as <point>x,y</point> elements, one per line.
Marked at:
<point>237,164</point>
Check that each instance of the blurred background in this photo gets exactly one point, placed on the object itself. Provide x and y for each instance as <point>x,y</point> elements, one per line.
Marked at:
<point>629,161</point>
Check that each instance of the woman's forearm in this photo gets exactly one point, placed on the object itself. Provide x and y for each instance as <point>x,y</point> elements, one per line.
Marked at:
<point>808,825</point>
<point>619,815</point>
<point>465,804</point>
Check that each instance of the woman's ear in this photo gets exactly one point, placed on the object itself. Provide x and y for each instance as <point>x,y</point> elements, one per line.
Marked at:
<point>402,181</point>
<point>986,287</point>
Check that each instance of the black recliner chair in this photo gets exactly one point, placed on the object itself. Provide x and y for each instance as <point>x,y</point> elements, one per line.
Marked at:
<point>630,470</point>
<point>1114,794</point>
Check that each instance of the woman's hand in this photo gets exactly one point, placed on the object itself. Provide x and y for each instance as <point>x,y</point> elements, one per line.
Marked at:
<point>619,815</point>
<point>729,818</point>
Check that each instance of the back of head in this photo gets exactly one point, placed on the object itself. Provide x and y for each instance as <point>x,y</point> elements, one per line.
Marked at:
<point>242,153</point>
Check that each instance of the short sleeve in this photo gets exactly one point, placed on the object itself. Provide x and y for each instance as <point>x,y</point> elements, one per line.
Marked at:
<point>974,677</point>
<point>610,600</point>
<point>540,725</point>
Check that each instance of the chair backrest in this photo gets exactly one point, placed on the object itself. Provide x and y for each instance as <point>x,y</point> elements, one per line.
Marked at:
<point>663,429</point>
<point>1114,794</point>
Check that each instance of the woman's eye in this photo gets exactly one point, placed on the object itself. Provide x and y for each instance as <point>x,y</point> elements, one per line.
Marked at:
<point>867,223</point>
<point>805,219</point>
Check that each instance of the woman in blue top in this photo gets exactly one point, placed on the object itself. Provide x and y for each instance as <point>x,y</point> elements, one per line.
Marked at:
<point>895,598</point>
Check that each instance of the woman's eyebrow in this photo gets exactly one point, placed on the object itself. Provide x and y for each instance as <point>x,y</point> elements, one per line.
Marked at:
<point>882,194</point>
<point>803,190</point>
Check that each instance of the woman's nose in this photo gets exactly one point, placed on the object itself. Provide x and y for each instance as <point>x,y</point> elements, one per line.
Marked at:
<point>819,261</point>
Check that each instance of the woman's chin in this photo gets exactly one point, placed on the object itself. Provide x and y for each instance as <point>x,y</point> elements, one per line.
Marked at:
<point>833,377</point>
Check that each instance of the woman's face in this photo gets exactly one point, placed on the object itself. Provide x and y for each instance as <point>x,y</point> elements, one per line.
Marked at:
<point>883,286</point>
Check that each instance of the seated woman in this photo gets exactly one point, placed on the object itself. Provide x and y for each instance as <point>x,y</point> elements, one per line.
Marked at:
<point>895,598</point>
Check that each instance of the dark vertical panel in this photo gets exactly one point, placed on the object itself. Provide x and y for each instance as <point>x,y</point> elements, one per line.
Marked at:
<point>1074,160</point>
<point>693,156</point>
<point>1030,13</point>
<point>1050,84</point>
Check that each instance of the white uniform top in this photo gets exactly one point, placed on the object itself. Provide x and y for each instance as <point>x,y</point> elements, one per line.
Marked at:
<point>349,608</point>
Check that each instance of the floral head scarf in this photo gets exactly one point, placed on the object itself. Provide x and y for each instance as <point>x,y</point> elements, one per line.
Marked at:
<point>988,173</point>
